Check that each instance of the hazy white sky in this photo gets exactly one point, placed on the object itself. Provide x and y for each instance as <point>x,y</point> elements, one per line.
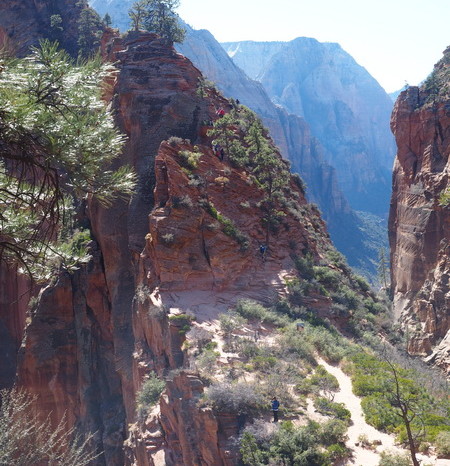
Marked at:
<point>395,40</point>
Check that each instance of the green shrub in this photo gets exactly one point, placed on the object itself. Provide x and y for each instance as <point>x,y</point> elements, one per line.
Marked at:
<point>264,363</point>
<point>442,443</point>
<point>207,360</point>
<point>331,408</point>
<point>230,322</point>
<point>305,266</point>
<point>324,381</point>
<point>293,343</point>
<point>254,311</point>
<point>337,451</point>
<point>328,277</point>
<point>394,459</point>
<point>241,397</point>
<point>189,159</point>
<point>150,392</point>
<point>247,349</point>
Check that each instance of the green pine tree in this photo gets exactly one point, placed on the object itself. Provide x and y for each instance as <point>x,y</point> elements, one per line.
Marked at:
<point>58,140</point>
<point>90,30</point>
<point>158,16</point>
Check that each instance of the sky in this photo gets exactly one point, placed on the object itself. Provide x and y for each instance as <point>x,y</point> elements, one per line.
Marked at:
<point>397,41</point>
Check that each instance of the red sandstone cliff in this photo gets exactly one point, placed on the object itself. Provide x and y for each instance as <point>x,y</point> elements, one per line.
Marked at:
<point>419,227</point>
<point>95,334</point>
<point>77,353</point>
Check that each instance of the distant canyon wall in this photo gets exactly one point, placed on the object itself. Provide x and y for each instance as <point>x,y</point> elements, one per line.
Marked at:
<point>346,108</point>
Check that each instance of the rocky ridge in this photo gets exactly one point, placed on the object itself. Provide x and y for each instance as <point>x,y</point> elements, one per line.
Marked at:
<point>293,136</point>
<point>419,224</point>
<point>93,336</point>
<point>347,110</point>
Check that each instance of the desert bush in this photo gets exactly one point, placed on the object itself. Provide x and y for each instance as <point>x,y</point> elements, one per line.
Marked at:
<point>394,459</point>
<point>167,239</point>
<point>328,343</point>
<point>231,322</point>
<point>330,408</point>
<point>328,277</point>
<point>293,343</point>
<point>150,392</point>
<point>361,283</point>
<point>338,451</point>
<point>253,310</point>
<point>305,266</point>
<point>189,159</point>
<point>286,444</point>
<point>263,363</point>
<point>241,397</point>
<point>183,201</point>
<point>304,387</point>
<point>247,349</point>
<point>199,336</point>
<point>207,361</point>
<point>182,321</point>
<point>174,141</point>
<point>443,444</point>
<point>333,431</point>
<point>27,440</point>
<point>325,382</point>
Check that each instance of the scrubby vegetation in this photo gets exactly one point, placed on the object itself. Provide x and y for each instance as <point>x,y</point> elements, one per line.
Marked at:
<point>27,440</point>
<point>149,394</point>
<point>311,445</point>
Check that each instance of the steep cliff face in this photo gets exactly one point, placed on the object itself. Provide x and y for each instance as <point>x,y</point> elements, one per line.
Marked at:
<point>346,108</point>
<point>15,294</point>
<point>24,22</point>
<point>419,225</point>
<point>77,353</point>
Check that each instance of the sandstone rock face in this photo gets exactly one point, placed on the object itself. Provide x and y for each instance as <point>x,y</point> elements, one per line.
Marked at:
<point>78,353</point>
<point>188,248</point>
<point>195,435</point>
<point>345,107</point>
<point>67,359</point>
<point>419,226</point>
<point>15,294</point>
<point>25,22</point>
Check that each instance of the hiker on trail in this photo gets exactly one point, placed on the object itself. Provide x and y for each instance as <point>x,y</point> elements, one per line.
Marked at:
<point>222,153</point>
<point>263,250</point>
<point>216,149</point>
<point>220,112</point>
<point>275,406</point>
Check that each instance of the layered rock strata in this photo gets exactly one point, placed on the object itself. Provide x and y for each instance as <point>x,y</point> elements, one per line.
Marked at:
<point>419,225</point>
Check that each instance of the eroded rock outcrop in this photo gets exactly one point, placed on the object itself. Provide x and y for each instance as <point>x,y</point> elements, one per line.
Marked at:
<point>419,226</point>
<point>291,132</point>
<point>77,354</point>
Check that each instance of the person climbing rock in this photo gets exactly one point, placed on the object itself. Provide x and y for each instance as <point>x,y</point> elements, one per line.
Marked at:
<point>275,407</point>
<point>217,149</point>
<point>220,112</point>
<point>262,251</point>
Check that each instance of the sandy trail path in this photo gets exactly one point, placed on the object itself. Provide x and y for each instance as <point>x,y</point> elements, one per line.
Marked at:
<point>363,456</point>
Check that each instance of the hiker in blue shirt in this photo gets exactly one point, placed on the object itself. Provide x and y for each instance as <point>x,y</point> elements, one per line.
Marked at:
<point>275,406</point>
